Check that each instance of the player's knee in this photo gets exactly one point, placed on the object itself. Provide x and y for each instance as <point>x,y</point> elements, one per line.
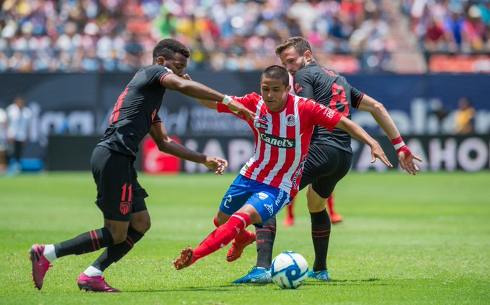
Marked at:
<point>118,236</point>
<point>142,225</point>
<point>316,203</point>
<point>220,219</point>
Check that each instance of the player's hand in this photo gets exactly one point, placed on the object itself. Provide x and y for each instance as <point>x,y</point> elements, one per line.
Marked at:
<point>218,165</point>
<point>241,110</point>
<point>378,153</point>
<point>407,160</point>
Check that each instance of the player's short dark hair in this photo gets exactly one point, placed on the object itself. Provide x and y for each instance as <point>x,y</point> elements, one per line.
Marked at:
<point>168,47</point>
<point>299,43</point>
<point>277,72</point>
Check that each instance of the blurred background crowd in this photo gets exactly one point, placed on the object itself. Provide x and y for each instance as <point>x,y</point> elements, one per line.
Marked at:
<point>118,35</point>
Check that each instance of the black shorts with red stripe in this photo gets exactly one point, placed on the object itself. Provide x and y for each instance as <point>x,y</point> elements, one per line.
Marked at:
<point>324,167</point>
<point>119,193</point>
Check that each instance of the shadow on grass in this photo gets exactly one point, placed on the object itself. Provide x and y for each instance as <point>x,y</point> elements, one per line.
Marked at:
<point>233,287</point>
<point>370,281</point>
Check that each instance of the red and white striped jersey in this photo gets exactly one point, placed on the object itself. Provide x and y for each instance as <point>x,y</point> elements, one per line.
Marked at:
<point>282,138</point>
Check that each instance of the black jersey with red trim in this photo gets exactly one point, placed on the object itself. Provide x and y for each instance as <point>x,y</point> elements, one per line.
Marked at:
<point>332,90</point>
<point>135,111</point>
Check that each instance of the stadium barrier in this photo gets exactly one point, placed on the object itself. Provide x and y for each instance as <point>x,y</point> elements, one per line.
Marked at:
<point>79,104</point>
<point>440,153</point>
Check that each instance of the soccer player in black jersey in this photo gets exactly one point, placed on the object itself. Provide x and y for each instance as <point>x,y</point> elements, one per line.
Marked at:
<point>119,195</point>
<point>330,154</point>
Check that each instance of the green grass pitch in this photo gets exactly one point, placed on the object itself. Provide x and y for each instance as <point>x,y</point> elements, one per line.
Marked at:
<point>405,240</point>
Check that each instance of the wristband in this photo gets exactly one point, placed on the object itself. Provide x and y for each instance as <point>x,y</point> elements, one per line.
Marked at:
<point>227,99</point>
<point>398,143</point>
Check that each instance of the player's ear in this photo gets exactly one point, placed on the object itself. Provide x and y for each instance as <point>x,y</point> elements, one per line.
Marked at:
<point>288,88</point>
<point>308,55</point>
<point>160,60</point>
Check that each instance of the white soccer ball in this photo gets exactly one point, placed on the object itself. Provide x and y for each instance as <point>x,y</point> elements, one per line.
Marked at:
<point>289,270</point>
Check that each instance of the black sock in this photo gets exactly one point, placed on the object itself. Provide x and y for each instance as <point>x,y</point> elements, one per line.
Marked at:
<point>265,241</point>
<point>84,243</point>
<point>320,234</point>
<point>115,252</point>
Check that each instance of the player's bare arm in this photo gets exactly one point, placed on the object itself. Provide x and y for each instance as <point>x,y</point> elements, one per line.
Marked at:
<point>382,117</point>
<point>165,144</point>
<point>186,86</point>
<point>360,134</point>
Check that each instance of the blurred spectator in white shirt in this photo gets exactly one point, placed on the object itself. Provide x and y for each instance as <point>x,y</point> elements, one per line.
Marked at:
<point>18,119</point>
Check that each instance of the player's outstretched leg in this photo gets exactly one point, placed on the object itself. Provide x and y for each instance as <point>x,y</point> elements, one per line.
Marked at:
<point>334,216</point>
<point>43,255</point>
<point>220,237</point>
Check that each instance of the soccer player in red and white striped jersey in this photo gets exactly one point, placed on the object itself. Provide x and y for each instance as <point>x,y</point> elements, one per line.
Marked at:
<point>282,128</point>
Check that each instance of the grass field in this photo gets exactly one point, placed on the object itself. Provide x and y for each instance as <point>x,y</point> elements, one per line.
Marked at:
<point>405,240</point>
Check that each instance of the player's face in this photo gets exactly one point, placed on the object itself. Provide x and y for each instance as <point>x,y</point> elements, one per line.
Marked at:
<point>274,93</point>
<point>177,64</point>
<point>291,60</point>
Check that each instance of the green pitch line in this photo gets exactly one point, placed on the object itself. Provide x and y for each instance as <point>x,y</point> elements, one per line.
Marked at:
<point>405,240</point>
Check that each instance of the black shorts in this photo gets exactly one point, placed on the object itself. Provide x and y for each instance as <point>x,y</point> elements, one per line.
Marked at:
<point>324,167</point>
<point>118,192</point>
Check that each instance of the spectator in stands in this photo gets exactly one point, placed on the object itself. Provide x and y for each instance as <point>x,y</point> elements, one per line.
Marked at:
<point>19,118</point>
<point>114,35</point>
<point>465,117</point>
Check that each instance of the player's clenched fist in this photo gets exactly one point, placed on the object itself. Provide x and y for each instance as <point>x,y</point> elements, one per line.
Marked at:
<point>218,165</point>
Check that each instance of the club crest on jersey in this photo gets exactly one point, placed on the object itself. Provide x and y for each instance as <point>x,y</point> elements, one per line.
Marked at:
<point>262,122</point>
<point>297,88</point>
<point>277,141</point>
<point>290,120</point>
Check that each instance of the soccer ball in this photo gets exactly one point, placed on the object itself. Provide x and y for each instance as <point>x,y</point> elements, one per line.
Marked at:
<point>289,270</point>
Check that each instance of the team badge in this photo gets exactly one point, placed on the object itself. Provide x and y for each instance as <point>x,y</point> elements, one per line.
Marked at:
<point>262,122</point>
<point>124,207</point>
<point>263,196</point>
<point>290,120</point>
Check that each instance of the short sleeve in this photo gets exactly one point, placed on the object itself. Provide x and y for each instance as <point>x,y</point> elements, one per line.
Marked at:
<point>157,72</point>
<point>320,115</point>
<point>303,83</point>
<point>156,119</point>
<point>356,97</point>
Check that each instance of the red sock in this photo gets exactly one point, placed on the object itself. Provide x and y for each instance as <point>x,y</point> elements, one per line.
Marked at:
<point>222,236</point>
<point>291,210</point>
<point>330,203</point>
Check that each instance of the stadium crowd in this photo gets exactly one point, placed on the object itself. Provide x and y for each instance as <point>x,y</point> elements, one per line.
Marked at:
<point>117,35</point>
<point>456,26</point>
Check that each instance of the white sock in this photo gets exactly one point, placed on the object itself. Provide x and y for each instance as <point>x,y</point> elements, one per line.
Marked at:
<point>49,253</point>
<point>92,271</point>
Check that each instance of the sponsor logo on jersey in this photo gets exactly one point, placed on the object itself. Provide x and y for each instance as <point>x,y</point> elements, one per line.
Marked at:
<point>277,141</point>
<point>290,120</point>
<point>330,113</point>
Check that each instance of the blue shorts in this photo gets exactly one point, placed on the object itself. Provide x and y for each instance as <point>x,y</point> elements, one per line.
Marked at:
<point>266,199</point>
